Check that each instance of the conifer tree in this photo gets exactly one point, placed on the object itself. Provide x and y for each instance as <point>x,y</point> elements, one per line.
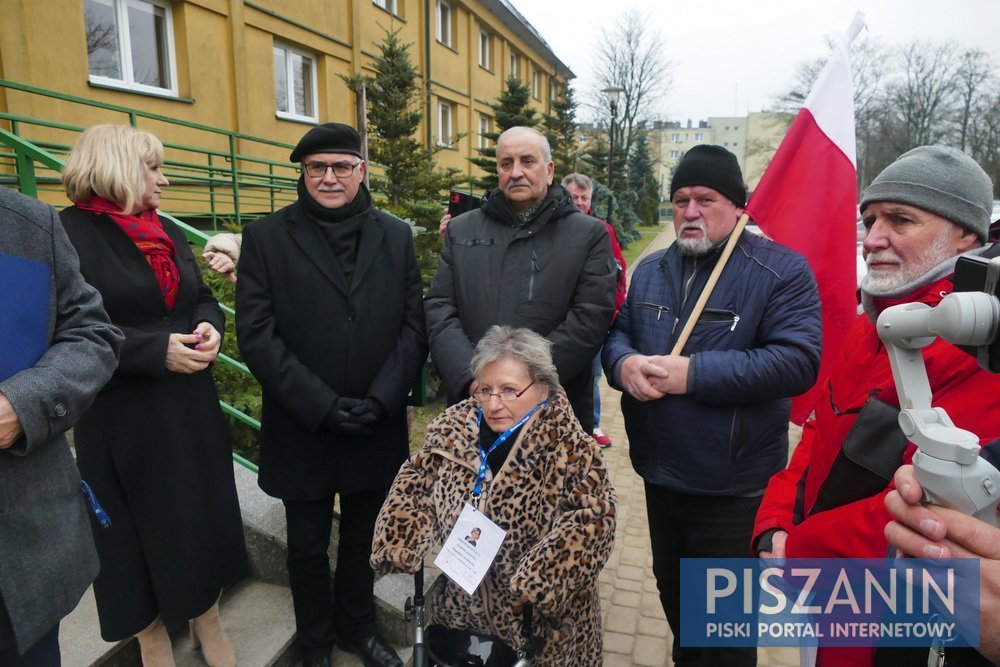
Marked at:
<point>510,110</point>
<point>560,130</point>
<point>412,185</point>
<point>642,181</point>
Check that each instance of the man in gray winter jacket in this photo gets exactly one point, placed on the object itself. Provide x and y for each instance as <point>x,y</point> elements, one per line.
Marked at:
<point>59,349</point>
<point>526,258</point>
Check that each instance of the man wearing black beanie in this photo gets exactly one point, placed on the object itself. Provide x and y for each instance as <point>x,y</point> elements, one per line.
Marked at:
<point>709,426</point>
<point>330,320</point>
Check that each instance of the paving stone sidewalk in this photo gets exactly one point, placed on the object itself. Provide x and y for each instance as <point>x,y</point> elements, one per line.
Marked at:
<point>635,629</point>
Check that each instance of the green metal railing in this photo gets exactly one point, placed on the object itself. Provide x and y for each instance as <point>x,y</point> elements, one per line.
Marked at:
<point>228,177</point>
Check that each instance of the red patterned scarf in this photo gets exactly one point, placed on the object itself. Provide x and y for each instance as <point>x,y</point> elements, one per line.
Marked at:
<point>148,234</point>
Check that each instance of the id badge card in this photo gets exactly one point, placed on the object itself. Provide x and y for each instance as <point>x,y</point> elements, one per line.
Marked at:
<point>470,549</point>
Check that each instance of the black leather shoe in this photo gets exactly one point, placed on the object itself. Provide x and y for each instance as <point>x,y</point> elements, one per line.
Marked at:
<point>322,661</point>
<point>374,651</point>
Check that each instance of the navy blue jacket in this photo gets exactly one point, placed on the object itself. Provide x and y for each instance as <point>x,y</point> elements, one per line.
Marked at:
<point>756,344</point>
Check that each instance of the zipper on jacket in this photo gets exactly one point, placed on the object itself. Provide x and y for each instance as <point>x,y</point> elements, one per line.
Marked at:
<point>736,320</point>
<point>531,279</point>
<point>689,283</point>
<point>659,308</point>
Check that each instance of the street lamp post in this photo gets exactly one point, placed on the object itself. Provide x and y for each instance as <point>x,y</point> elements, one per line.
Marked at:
<point>613,94</point>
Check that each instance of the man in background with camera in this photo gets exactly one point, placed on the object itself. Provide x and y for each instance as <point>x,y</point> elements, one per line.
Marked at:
<point>924,210</point>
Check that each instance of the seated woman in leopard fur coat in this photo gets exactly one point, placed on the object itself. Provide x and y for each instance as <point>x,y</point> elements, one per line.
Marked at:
<point>545,484</point>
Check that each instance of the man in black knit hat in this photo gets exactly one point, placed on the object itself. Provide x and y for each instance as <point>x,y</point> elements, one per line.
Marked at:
<point>330,320</point>
<point>709,426</point>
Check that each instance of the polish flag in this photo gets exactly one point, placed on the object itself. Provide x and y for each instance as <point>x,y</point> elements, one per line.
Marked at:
<point>807,200</point>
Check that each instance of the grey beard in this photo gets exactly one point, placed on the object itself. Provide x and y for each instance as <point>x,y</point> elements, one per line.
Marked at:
<point>944,268</point>
<point>695,247</point>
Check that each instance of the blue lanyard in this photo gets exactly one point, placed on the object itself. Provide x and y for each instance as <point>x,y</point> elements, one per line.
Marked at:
<point>95,506</point>
<point>503,437</point>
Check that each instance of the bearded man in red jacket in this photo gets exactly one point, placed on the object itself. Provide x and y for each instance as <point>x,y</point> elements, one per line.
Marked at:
<point>924,210</point>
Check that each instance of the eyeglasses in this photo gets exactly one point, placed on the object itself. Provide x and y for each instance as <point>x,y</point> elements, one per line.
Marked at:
<point>506,394</point>
<point>340,169</point>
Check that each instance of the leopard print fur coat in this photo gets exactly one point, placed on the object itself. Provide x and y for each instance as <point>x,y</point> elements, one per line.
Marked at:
<point>553,497</point>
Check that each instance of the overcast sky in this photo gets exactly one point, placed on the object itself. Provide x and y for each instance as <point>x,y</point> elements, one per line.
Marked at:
<point>731,56</point>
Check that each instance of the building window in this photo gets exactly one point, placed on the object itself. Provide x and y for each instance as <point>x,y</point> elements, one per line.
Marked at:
<point>513,65</point>
<point>444,22</point>
<point>699,136</point>
<point>130,44</point>
<point>444,124</point>
<point>535,84</point>
<point>484,129</point>
<point>675,137</point>
<point>675,155</point>
<point>485,55</point>
<point>553,89</point>
<point>294,83</point>
<point>390,6</point>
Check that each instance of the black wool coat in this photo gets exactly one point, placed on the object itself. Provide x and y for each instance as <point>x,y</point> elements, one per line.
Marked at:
<point>310,337</point>
<point>155,445</point>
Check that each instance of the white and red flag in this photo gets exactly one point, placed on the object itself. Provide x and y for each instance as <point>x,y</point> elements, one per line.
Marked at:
<point>807,199</point>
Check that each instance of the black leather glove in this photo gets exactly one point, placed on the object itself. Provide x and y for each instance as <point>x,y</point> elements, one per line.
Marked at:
<point>340,412</point>
<point>364,416</point>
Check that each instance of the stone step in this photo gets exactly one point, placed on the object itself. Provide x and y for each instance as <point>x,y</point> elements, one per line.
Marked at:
<point>259,620</point>
<point>257,617</point>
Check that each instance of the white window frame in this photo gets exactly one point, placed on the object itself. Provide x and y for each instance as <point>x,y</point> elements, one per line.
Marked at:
<point>313,115</point>
<point>699,136</point>
<point>128,82</point>
<point>484,127</point>
<point>485,48</point>
<point>444,137</point>
<point>675,137</point>
<point>444,19</point>
<point>391,6</point>
<point>553,89</point>
<point>535,83</point>
<point>513,65</point>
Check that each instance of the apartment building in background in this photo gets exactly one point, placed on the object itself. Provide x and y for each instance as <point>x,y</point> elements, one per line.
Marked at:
<point>753,138</point>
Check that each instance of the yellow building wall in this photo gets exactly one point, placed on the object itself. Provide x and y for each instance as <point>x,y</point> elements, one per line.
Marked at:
<point>223,53</point>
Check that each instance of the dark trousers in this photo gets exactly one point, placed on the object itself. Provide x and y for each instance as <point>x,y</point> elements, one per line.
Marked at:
<point>348,610</point>
<point>44,653</point>
<point>685,525</point>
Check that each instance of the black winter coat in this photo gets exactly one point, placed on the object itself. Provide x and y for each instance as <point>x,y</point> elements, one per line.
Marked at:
<point>155,445</point>
<point>555,276</point>
<point>309,337</point>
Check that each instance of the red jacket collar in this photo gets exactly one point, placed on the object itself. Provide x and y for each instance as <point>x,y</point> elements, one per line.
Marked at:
<point>930,294</point>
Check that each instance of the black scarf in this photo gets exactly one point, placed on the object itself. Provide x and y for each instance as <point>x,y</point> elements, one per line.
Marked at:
<point>497,205</point>
<point>362,202</point>
<point>341,227</point>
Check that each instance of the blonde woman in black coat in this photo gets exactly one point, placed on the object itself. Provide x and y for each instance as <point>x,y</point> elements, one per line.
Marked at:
<point>155,446</point>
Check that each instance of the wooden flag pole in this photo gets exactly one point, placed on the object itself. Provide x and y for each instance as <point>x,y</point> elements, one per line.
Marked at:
<point>710,285</point>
